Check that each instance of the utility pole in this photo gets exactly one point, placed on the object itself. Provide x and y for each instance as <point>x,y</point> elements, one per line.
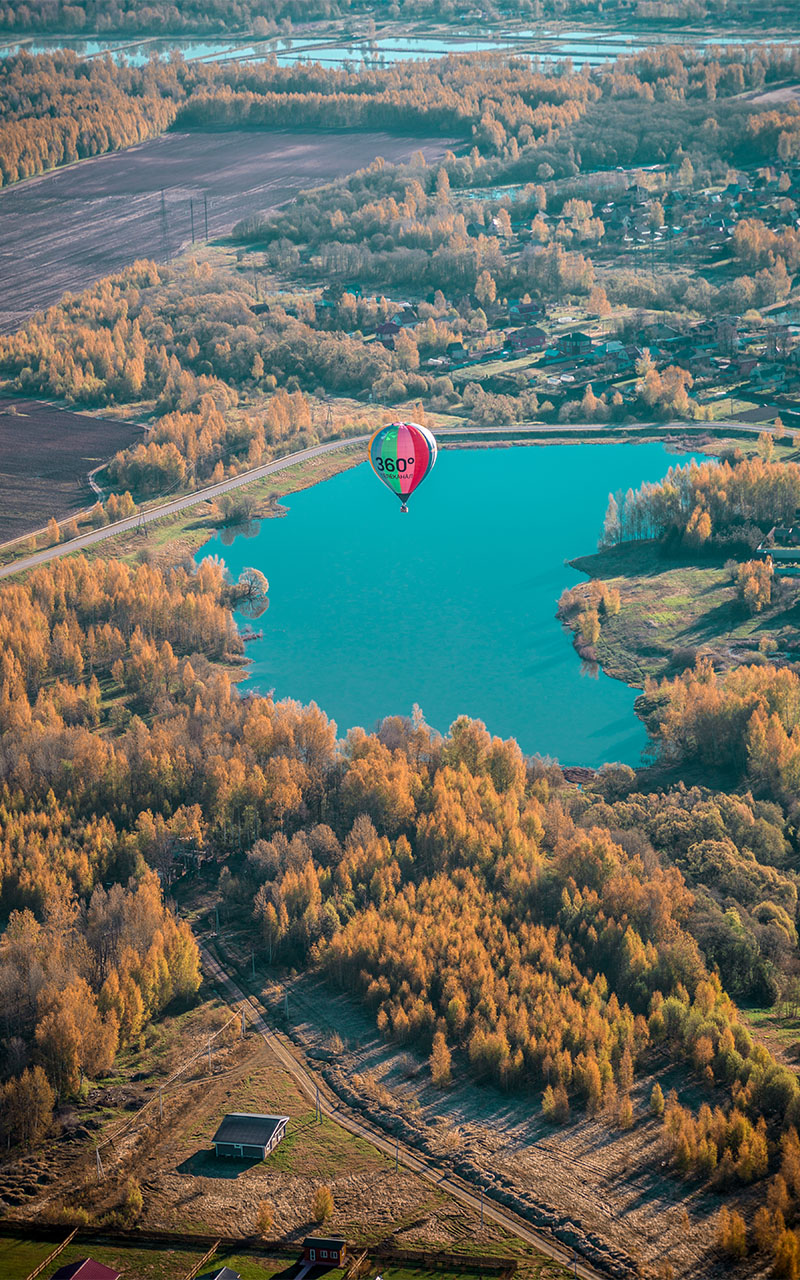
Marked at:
<point>165,227</point>
<point>317,1107</point>
<point>396,1154</point>
<point>100,1173</point>
<point>161,1104</point>
<point>191,215</point>
<point>209,1055</point>
<point>244,1024</point>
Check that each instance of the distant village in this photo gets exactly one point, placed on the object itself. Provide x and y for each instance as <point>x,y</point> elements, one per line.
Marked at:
<point>748,362</point>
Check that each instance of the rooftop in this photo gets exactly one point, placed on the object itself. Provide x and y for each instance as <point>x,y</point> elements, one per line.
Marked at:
<point>247,1129</point>
<point>86,1269</point>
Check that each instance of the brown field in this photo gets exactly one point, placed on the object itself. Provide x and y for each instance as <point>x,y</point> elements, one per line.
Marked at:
<point>66,229</point>
<point>46,454</point>
<point>605,1190</point>
<point>186,1188</point>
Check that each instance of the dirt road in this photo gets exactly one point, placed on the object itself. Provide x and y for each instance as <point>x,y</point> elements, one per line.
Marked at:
<point>335,1108</point>
<point>68,228</point>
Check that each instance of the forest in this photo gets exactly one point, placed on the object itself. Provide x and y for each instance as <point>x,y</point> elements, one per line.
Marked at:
<point>732,504</point>
<point>268,17</point>
<point>58,107</point>
<point>560,941</point>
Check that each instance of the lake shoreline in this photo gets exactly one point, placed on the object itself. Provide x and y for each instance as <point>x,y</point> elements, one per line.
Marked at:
<point>515,669</point>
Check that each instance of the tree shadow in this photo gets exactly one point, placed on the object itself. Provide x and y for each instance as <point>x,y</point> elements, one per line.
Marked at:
<point>205,1164</point>
<point>716,623</point>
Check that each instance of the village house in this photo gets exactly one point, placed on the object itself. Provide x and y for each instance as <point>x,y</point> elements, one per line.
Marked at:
<point>407,317</point>
<point>248,1136</point>
<point>525,311</point>
<point>530,338</point>
<point>575,344</point>
<point>329,1250</point>
<point>86,1269</point>
<point>387,329</point>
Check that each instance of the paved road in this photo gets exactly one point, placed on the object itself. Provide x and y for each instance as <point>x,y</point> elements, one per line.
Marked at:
<point>177,504</point>
<point>531,430</point>
<point>337,1110</point>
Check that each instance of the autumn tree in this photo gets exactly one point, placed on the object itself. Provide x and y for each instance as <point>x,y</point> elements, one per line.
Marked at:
<point>27,1107</point>
<point>440,1061</point>
<point>265,1218</point>
<point>323,1204</point>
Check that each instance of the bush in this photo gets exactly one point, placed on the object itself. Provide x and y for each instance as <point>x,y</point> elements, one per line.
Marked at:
<point>133,1202</point>
<point>323,1204</point>
<point>265,1218</point>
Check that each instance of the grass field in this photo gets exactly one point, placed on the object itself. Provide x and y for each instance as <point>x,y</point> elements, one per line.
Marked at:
<point>19,1257</point>
<point>671,607</point>
<point>186,1188</point>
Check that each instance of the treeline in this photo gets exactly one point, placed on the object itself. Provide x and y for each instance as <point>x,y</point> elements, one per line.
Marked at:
<point>268,17</point>
<point>78,984</point>
<point>708,505</point>
<point>742,723</point>
<point>737,855</point>
<point>58,108</point>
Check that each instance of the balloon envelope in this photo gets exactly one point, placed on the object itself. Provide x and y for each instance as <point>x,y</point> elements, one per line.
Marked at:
<point>401,455</point>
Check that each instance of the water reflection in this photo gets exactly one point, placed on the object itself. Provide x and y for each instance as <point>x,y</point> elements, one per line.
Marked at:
<point>244,529</point>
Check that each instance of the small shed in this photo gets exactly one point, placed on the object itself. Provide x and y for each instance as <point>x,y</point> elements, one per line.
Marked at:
<point>222,1273</point>
<point>246,1136</point>
<point>330,1250</point>
<point>86,1269</point>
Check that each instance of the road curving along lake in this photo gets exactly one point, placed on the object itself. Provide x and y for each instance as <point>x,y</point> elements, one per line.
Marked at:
<point>452,606</point>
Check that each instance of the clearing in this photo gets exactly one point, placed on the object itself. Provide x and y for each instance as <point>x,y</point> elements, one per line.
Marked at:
<point>674,610</point>
<point>187,1189</point>
<point>591,1184</point>
<point>68,228</point>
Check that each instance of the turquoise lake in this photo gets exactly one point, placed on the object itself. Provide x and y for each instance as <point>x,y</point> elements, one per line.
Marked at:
<point>451,606</point>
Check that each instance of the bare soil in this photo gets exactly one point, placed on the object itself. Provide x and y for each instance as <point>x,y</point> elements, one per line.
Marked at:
<point>186,1188</point>
<point>606,1191</point>
<point>68,228</point>
<point>46,454</point>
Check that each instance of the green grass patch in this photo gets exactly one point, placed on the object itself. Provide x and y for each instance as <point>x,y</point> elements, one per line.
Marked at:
<point>672,607</point>
<point>19,1257</point>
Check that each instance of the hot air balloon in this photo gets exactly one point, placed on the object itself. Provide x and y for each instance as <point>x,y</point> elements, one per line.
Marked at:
<point>401,455</point>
